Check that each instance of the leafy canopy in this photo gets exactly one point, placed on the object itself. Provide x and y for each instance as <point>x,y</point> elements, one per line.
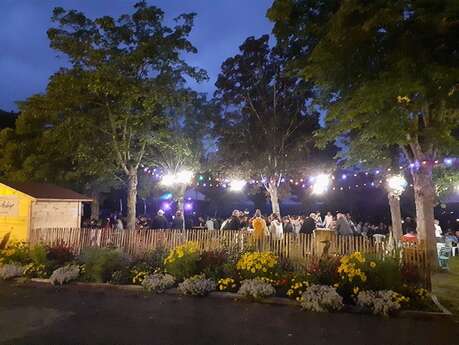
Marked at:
<point>387,71</point>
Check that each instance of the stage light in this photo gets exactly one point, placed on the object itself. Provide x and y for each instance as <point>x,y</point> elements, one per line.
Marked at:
<point>237,185</point>
<point>321,184</point>
<point>396,184</point>
<point>168,180</point>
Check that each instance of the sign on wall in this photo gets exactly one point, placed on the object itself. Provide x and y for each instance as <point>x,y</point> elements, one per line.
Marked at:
<point>9,206</point>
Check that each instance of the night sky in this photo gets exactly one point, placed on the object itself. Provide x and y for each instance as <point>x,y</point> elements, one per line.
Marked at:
<point>26,61</point>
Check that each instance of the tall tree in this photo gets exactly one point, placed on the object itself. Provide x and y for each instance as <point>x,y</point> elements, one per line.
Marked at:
<point>123,75</point>
<point>267,120</point>
<point>44,148</point>
<point>388,71</point>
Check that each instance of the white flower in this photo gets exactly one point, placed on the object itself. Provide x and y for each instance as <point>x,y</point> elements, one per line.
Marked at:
<point>64,274</point>
<point>197,285</point>
<point>256,288</point>
<point>321,298</point>
<point>383,302</point>
<point>158,282</point>
<point>9,271</point>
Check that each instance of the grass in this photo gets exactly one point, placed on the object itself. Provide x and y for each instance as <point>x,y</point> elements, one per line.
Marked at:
<point>446,286</point>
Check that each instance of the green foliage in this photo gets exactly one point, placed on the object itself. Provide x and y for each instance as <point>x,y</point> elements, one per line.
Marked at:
<point>182,261</point>
<point>213,264</point>
<point>59,255</point>
<point>101,263</point>
<point>15,252</point>
<point>39,255</point>
<point>266,110</point>
<point>154,259</point>
<point>323,271</point>
<point>387,71</point>
<point>446,182</point>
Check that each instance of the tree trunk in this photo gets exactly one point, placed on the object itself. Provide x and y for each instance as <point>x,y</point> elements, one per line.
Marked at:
<point>144,207</point>
<point>95,205</point>
<point>424,196</point>
<point>396,217</point>
<point>273,194</point>
<point>181,202</point>
<point>131,199</point>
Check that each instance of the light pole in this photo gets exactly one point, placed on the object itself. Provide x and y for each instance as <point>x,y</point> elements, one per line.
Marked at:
<point>395,185</point>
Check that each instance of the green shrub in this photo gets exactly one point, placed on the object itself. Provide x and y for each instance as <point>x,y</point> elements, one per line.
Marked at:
<point>15,252</point>
<point>39,255</point>
<point>101,263</point>
<point>154,259</point>
<point>60,255</point>
<point>182,261</point>
<point>385,275</point>
<point>213,264</point>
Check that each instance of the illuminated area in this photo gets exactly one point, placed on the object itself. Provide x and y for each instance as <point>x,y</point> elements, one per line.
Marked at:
<point>321,184</point>
<point>182,177</point>
<point>237,185</point>
<point>396,184</point>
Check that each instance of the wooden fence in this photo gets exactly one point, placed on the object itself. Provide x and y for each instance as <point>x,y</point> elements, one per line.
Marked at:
<point>298,248</point>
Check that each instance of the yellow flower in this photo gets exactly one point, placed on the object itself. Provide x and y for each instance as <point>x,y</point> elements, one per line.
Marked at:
<point>356,290</point>
<point>372,264</point>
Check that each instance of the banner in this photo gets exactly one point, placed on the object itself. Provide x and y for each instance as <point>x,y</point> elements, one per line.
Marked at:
<point>9,206</point>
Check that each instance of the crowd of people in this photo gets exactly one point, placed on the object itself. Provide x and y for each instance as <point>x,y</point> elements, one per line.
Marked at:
<point>274,225</point>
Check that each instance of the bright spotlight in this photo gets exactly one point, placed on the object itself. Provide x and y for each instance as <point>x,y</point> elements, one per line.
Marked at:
<point>396,184</point>
<point>321,184</point>
<point>168,180</point>
<point>184,176</point>
<point>237,185</point>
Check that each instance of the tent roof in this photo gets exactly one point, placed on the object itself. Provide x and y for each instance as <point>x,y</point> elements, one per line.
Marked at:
<point>46,191</point>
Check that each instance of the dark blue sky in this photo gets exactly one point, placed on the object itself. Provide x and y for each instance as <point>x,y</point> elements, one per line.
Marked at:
<point>26,61</point>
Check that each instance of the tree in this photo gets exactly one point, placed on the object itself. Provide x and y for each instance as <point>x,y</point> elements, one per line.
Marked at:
<point>179,160</point>
<point>388,72</point>
<point>267,122</point>
<point>123,76</point>
<point>44,148</point>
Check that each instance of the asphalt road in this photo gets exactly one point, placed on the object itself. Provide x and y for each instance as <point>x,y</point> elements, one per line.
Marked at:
<point>75,315</point>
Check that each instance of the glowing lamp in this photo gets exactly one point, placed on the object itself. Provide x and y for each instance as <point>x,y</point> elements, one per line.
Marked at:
<point>188,206</point>
<point>321,184</point>
<point>396,184</point>
<point>168,180</point>
<point>184,176</point>
<point>237,185</point>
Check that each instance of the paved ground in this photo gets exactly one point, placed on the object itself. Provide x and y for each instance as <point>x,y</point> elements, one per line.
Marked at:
<point>73,315</point>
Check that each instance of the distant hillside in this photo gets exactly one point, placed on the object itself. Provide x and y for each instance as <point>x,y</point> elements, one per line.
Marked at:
<point>7,119</point>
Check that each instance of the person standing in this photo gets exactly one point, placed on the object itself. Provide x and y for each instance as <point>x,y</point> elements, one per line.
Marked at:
<point>438,230</point>
<point>409,226</point>
<point>119,224</point>
<point>210,224</point>
<point>309,224</point>
<point>260,229</point>
<point>177,222</point>
<point>296,224</point>
<point>342,225</point>
<point>288,227</point>
<point>275,227</point>
<point>159,221</point>
<point>234,222</point>
<point>328,220</point>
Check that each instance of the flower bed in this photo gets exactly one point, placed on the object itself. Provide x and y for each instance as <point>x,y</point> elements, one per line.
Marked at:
<point>356,282</point>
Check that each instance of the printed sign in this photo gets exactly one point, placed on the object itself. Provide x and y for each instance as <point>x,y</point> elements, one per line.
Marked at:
<point>9,206</point>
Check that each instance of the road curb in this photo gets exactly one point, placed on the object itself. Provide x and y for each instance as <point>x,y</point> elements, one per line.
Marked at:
<point>414,314</point>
